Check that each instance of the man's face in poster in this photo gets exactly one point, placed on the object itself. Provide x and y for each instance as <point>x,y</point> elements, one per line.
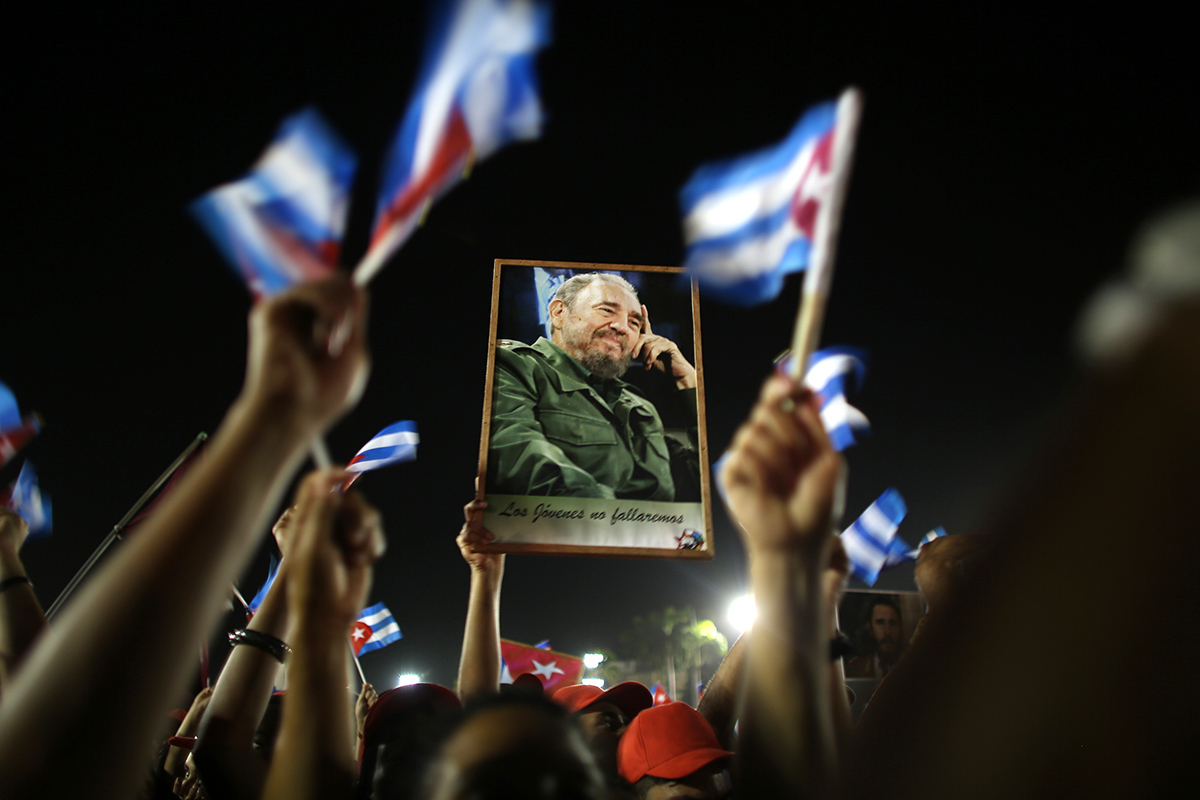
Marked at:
<point>600,329</point>
<point>885,628</point>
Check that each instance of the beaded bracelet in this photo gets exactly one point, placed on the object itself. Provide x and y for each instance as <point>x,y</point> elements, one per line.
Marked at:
<point>16,580</point>
<point>262,641</point>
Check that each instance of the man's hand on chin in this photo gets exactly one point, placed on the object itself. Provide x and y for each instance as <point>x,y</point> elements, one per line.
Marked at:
<point>658,351</point>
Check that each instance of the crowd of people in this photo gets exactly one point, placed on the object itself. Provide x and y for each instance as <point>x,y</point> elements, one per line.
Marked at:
<point>1032,678</point>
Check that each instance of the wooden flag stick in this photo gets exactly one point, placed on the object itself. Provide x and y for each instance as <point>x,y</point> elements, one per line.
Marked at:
<point>818,276</point>
<point>320,453</point>
<point>362,676</point>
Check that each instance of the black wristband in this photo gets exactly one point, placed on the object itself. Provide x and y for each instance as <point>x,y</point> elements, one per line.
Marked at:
<point>16,580</point>
<point>840,646</point>
<point>262,641</point>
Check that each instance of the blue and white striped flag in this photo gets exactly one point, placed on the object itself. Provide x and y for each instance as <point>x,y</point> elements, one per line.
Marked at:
<point>826,376</point>
<point>394,444</point>
<point>282,224</point>
<point>750,221</point>
<point>374,629</point>
<point>901,553</point>
<point>26,499</point>
<point>869,540</point>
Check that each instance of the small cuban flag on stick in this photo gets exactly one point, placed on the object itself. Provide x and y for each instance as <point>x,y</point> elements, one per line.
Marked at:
<point>477,92</point>
<point>827,372</point>
<point>868,541</point>
<point>15,431</point>
<point>901,553</point>
<point>282,224</point>
<point>375,628</point>
<point>751,221</point>
<point>26,499</point>
<point>394,444</point>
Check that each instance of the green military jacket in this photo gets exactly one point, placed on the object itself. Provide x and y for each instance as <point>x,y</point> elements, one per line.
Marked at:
<point>559,430</point>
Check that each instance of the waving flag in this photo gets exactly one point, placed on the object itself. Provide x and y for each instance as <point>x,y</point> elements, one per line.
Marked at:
<point>10,415</point>
<point>868,541</point>
<point>826,376</point>
<point>477,92</point>
<point>555,669</point>
<point>257,600</point>
<point>375,628</point>
<point>750,221</point>
<point>661,698</point>
<point>25,498</point>
<point>394,444</point>
<point>900,553</point>
<point>283,223</point>
<point>15,432</point>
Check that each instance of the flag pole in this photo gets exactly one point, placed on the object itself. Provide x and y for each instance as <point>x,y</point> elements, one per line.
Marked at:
<point>362,676</point>
<point>115,533</point>
<point>818,276</point>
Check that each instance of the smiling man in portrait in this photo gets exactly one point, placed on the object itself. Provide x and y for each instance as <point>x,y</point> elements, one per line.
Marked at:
<point>565,424</point>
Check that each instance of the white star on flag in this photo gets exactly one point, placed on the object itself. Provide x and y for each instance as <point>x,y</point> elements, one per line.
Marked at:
<point>547,671</point>
<point>359,633</point>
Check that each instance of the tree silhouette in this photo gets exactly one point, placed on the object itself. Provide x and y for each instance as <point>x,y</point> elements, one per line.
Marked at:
<point>674,638</point>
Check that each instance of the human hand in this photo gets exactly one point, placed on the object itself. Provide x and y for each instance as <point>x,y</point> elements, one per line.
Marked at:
<point>282,530</point>
<point>474,534</point>
<point>13,530</point>
<point>335,538</point>
<point>652,349</point>
<point>191,720</point>
<point>189,787</point>
<point>307,360</point>
<point>366,699</point>
<point>782,474</point>
<point>938,574</point>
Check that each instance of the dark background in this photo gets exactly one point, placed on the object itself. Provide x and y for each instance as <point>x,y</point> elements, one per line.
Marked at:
<point>1004,162</point>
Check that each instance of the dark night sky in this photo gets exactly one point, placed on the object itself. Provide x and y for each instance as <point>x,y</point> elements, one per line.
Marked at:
<point>1002,167</point>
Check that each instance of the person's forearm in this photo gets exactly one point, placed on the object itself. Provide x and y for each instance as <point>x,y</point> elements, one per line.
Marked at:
<point>126,641</point>
<point>21,617</point>
<point>479,666</point>
<point>787,745</point>
<point>719,703</point>
<point>224,752</point>
<point>314,755</point>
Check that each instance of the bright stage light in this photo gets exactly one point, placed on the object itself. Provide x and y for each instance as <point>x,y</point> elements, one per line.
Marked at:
<point>741,613</point>
<point>592,660</point>
<point>408,679</point>
<point>597,682</point>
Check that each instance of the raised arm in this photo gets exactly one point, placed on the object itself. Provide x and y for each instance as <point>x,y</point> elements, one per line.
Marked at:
<point>339,537</point>
<point>479,666</point>
<point>229,766</point>
<point>122,650</point>
<point>780,482</point>
<point>21,617</point>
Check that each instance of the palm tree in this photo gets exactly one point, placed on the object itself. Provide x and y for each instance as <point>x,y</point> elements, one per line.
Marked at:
<point>671,637</point>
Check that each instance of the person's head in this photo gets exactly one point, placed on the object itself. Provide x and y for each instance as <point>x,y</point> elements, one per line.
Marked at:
<point>400,733</point>
<point>604,716</point>
<point>884,624</point>
<point>518,744</point>
<point>597,319</point>
<point>671,752</point>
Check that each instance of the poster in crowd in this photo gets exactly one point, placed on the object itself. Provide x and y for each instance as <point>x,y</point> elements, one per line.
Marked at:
<point>593,423</point>
<point>880,627</point>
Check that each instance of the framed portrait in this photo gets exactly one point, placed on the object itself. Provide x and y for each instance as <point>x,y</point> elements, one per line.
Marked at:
<point>880,626</point>
<point>594,440</point>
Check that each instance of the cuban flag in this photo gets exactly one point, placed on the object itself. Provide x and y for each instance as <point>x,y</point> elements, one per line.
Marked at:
<point>900,553</point>
<point>752,220</point>
<point>554,669</point>
<point>477,91</point>
<point>26,499</point>
<point>661,698</point>
<point>283,223</point>
<point>15,431</point>
<point>828,371</point>
<point>257,600</point>
<point>393,445</point>
<point>869,541</point>
<point>375,628</point>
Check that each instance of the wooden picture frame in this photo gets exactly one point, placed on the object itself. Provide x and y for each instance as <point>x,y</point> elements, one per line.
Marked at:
<point>570,518</point>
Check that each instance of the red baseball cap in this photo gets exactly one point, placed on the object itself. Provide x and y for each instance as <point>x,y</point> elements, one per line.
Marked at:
<point>631,697</point>
<point>670,741</point>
